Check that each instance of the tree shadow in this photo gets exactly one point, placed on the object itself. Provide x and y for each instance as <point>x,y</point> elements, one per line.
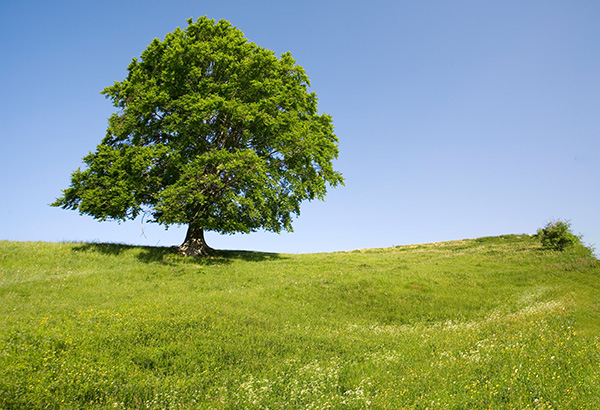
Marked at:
<point>248,256</point>
<point>104,248</point>
<point>170,256</point>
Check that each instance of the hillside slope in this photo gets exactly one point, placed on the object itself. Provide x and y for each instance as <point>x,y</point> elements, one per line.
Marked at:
<point>492,322</point>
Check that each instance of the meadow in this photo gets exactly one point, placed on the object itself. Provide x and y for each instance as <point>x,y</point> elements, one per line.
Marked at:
<point>488,323</point>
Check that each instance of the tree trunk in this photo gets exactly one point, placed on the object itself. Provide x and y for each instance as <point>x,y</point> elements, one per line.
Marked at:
<point>194,244</point>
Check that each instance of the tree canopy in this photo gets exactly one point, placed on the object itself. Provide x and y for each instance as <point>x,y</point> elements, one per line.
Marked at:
<point>212,131</point>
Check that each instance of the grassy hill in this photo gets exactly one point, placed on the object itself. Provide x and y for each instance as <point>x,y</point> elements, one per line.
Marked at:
<point>494,322</point>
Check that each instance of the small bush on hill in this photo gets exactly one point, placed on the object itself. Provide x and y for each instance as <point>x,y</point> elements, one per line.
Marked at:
<point>557,236</point>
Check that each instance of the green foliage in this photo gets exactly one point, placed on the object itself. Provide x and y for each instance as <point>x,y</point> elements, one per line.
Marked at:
<point>471,324</point>
<point>212,131</point>
<point>557,236</point>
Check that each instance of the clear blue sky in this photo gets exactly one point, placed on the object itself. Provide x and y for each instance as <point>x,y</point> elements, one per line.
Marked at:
<point>456,119</point>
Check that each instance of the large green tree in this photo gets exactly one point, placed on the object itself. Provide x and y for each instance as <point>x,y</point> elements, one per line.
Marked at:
<point>211,131</point>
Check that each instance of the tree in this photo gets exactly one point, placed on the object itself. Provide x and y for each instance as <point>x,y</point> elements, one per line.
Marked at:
<point>211,131</point>
<point>557,235</point>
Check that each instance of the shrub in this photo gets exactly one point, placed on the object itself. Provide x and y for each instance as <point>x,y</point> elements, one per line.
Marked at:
<point>557,236</point>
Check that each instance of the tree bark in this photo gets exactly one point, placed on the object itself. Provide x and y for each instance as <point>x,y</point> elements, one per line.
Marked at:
<point>194,244</point>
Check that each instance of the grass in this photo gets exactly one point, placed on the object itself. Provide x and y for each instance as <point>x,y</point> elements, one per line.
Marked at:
<point>492,322</point>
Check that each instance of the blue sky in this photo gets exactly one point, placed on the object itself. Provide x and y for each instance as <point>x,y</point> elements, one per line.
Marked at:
<point>456,119</point>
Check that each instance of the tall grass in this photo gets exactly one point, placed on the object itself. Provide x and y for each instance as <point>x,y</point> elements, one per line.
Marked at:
<point>475,324</point>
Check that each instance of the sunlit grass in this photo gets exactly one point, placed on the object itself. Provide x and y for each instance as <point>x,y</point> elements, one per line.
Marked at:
<point>473,324</point>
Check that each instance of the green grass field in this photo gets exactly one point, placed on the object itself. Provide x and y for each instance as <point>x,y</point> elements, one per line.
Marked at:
<point>489,323</point>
